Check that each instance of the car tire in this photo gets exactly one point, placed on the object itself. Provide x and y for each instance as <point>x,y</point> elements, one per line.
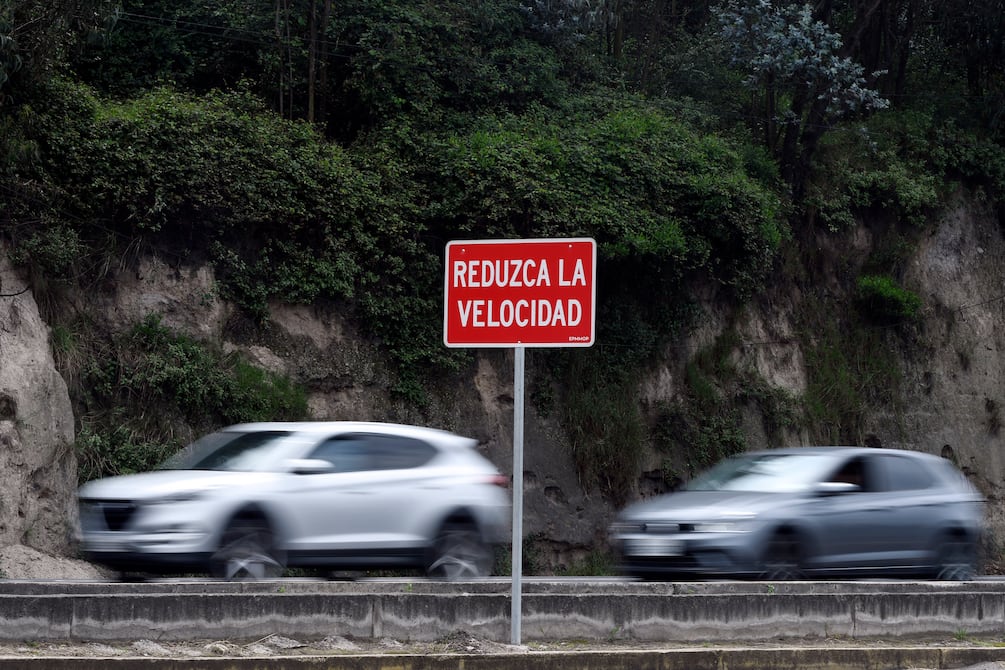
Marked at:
<point>247,552</point>
<point>956,559</point>
<point>783,558</point>
<point>459,552</point>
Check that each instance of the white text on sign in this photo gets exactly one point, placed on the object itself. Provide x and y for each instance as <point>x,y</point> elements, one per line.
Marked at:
<point>514,273</point>
<point>523,313</point>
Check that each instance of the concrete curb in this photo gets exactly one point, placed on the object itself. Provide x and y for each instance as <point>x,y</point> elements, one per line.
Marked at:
<point>801,658</point>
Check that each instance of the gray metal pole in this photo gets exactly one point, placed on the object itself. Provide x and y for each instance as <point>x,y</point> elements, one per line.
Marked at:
<point>517,568</point>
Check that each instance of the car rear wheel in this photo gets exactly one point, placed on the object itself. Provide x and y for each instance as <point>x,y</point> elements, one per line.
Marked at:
<point>956,559</point>
<point>782,558</point>
<point>247,552</point>
<point>458,553</point>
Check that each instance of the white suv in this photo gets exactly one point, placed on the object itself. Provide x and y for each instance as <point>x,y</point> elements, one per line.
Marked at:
<point>249,500</point>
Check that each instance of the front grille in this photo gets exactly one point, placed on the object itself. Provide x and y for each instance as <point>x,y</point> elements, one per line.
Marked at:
<point>666,528</point>
<point>115,514</point>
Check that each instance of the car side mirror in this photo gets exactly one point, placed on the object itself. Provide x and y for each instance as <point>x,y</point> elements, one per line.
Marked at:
<point>827,489</point>
<point>309,466</point>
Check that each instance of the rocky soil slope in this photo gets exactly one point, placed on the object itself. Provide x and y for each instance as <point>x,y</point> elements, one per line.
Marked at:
<point>950,401</point>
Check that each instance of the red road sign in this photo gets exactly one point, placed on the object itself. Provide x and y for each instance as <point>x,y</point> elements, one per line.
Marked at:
<point>520,293</point>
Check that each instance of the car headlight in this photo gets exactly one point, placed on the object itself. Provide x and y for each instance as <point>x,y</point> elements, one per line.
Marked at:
<point>727,524</point>
<point>625,527</point>
<point>180,497</point>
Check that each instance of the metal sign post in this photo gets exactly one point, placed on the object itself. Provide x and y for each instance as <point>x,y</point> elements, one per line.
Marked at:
<point>519,293</point>
<point>517,560</point>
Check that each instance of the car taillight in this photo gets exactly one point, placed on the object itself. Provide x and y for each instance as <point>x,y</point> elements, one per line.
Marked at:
<point>498,480</point>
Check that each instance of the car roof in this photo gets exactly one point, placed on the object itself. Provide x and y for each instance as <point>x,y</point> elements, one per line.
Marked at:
<point>844,450</point>
<point>437,435</point>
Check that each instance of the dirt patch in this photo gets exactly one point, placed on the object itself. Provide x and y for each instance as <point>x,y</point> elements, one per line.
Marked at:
<point>21,562</point>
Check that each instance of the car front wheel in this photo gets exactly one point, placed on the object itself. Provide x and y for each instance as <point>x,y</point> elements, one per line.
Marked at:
<point>782,559</point>
<point>956,559</point>
<point>458,553</point>
<point>247,552</point>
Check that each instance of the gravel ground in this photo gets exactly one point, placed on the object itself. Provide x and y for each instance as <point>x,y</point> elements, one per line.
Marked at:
<point>455,643</point>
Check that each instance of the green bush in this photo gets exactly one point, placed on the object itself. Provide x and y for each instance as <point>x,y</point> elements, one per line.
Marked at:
<point>175,370</point>
<point>880,298</point>
<point>148,390</point>
<point>648,187</point>
<point>290,209</point>
<point>902,163</point>
<point>53,251</point>
<point>104,451</point>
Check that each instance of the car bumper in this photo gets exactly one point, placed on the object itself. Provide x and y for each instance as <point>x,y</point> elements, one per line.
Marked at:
<point>165,564</point>
<point>146,552</point>
<point>705,554</point>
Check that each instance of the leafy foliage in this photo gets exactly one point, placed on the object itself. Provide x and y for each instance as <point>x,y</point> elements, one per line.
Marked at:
<point>166,127</point>
<point>187,45</point>
<point>187,381</point>
<point>427,57</point>
<point>198,381</point>
<point>116,450</point>
<point>883,300</point>
<point>37,36</point>
<point>644,185</point>
<point>783,45</point>
<point>902,164</point>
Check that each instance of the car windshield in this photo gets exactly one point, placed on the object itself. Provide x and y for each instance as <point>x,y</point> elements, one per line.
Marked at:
<point>764,473</point>
<point>227,450</point>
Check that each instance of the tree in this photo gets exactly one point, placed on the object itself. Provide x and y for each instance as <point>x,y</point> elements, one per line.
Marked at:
<point>973,35</point>
<point>36,35</point>
<point>800,68</point>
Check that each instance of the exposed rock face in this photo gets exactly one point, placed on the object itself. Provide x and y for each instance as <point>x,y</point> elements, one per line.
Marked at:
<point>184,298</point>
<point>951,401</point>
<point>37,506</point>
<point>953,395</point>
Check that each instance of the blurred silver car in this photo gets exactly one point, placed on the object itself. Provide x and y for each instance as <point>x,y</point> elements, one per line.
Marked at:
<point>249,500</point>
<point>809,512</point>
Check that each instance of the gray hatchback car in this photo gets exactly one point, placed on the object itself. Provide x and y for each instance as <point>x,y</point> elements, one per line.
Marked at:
<point>809,512</point>
<point>249,500</point>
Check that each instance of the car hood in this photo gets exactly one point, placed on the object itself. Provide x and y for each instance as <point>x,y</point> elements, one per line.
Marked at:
<point>163,483</point>
<point>695,505</point>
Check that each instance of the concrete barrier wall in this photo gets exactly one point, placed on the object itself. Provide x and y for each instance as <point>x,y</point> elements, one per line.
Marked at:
<point>423,611</point>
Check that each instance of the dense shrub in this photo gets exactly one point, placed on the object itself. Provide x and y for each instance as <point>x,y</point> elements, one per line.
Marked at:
<point>143,388</point>
<point>882,299</point>
<point>641,183</point>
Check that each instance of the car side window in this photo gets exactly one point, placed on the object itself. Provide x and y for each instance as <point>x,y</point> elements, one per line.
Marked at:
<point>346,453</point>
<point>361,452</point>
<point>393,452</point>
<point>904,474</point>
<point>854,472</point>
